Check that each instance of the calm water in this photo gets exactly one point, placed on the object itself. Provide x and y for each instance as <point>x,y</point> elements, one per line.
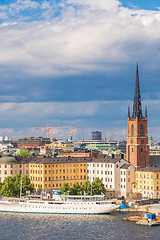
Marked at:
<point>88,227</point>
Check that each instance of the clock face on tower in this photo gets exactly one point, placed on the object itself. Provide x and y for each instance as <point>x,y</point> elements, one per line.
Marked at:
<point>142,141</point>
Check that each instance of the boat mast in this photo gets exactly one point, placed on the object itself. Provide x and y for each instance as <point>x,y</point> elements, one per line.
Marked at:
<point>21,188</point>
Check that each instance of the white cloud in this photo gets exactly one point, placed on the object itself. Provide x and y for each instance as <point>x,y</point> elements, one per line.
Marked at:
<point>81,39</point>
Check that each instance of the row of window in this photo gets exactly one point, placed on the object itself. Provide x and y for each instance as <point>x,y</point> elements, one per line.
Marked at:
<point>146,176</point>
<point>53,185</point>
<point>100,165</point>
<point>52,166</point>
<point>100,172</point>
<point>103,179</point>
<point>10,166</point>
<point>141,130</point>
<point>148,187</point>
<point>11,172</point>
<point>60,178</point>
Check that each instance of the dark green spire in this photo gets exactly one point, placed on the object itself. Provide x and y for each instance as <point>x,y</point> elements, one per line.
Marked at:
<point>137,107</point>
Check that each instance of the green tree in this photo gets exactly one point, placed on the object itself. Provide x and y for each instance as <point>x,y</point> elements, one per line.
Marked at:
<point>76,189</point>
<point>17,184</point>
<point>65,188</point>
<point>23,152</point>
<point>98,187</point>
<point>7,189</point>
<point>26,184</point>
<point>87,187</point>
<point>11,186</point>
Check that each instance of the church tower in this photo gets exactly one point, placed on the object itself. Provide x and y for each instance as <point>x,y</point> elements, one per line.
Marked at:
<point>137,149</point>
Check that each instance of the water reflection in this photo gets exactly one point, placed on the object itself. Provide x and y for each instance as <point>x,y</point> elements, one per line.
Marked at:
<point>87,227</point>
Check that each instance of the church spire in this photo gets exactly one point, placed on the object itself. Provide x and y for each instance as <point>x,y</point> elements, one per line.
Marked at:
<point>137,107</point>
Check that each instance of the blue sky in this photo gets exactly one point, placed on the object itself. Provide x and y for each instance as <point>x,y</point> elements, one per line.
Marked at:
<point>74,63</point>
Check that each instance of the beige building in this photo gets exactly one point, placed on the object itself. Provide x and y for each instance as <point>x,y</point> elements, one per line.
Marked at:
<point>10,166</point>
<point>148,182</point>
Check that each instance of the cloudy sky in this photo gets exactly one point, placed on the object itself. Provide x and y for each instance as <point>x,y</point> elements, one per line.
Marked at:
<point>73,63</point>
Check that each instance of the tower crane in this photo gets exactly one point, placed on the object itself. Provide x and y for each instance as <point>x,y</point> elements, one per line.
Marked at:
<point>72,133</point>
<point>49,128</point>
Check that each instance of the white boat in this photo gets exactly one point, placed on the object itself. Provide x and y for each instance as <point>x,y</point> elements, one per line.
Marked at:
<point>69,205</point>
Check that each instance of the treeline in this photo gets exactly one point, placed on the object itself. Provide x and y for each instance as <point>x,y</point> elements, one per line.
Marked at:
<point>96,188</point>
<point>11,186</point>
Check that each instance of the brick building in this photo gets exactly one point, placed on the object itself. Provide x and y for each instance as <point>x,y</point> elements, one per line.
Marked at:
<point>137,149</point>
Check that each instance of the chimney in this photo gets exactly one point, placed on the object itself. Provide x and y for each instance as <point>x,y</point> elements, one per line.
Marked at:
<point>122,156</point>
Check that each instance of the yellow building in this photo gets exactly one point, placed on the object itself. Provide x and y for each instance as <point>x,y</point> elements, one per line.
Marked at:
<point>50,173</point>
<point>148,182</point>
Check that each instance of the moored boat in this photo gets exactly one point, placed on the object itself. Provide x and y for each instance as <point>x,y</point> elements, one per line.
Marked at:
<point>66,205</point>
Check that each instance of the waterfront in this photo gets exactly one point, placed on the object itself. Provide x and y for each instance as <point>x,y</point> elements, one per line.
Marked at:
<point>85,227</point>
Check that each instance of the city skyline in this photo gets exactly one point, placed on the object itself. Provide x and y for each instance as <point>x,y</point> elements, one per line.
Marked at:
<point>74,63</point>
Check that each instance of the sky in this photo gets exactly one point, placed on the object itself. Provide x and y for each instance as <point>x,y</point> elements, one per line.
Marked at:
<point>73,63</point>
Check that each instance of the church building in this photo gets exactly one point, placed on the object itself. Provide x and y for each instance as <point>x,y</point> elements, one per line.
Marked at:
<point>137,149</point>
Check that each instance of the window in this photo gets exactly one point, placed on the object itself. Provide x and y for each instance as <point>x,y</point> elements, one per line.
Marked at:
<point>101,172</point>
<point>132,130</point>
<point>97,171</point>
<point>97,165</point>
<point>5,172</point>
<point>101,165</point>
<point>5,166</point>
<point>141,130</point>
<point>132,149</point>
<point>141,149</point>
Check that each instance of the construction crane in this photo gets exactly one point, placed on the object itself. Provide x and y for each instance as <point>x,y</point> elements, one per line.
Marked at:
<point>71,133</point>
<point>105,135</point>
<point>48,128</point>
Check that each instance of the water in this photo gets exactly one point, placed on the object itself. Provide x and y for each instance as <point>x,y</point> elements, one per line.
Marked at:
<point>72,227</point>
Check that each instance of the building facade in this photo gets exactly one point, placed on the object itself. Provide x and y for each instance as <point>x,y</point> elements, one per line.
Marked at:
<point>10,166</point>
<point>137,149</point>
<point>117,175</point>
<point>47,174</point>
<point>148,182</point>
